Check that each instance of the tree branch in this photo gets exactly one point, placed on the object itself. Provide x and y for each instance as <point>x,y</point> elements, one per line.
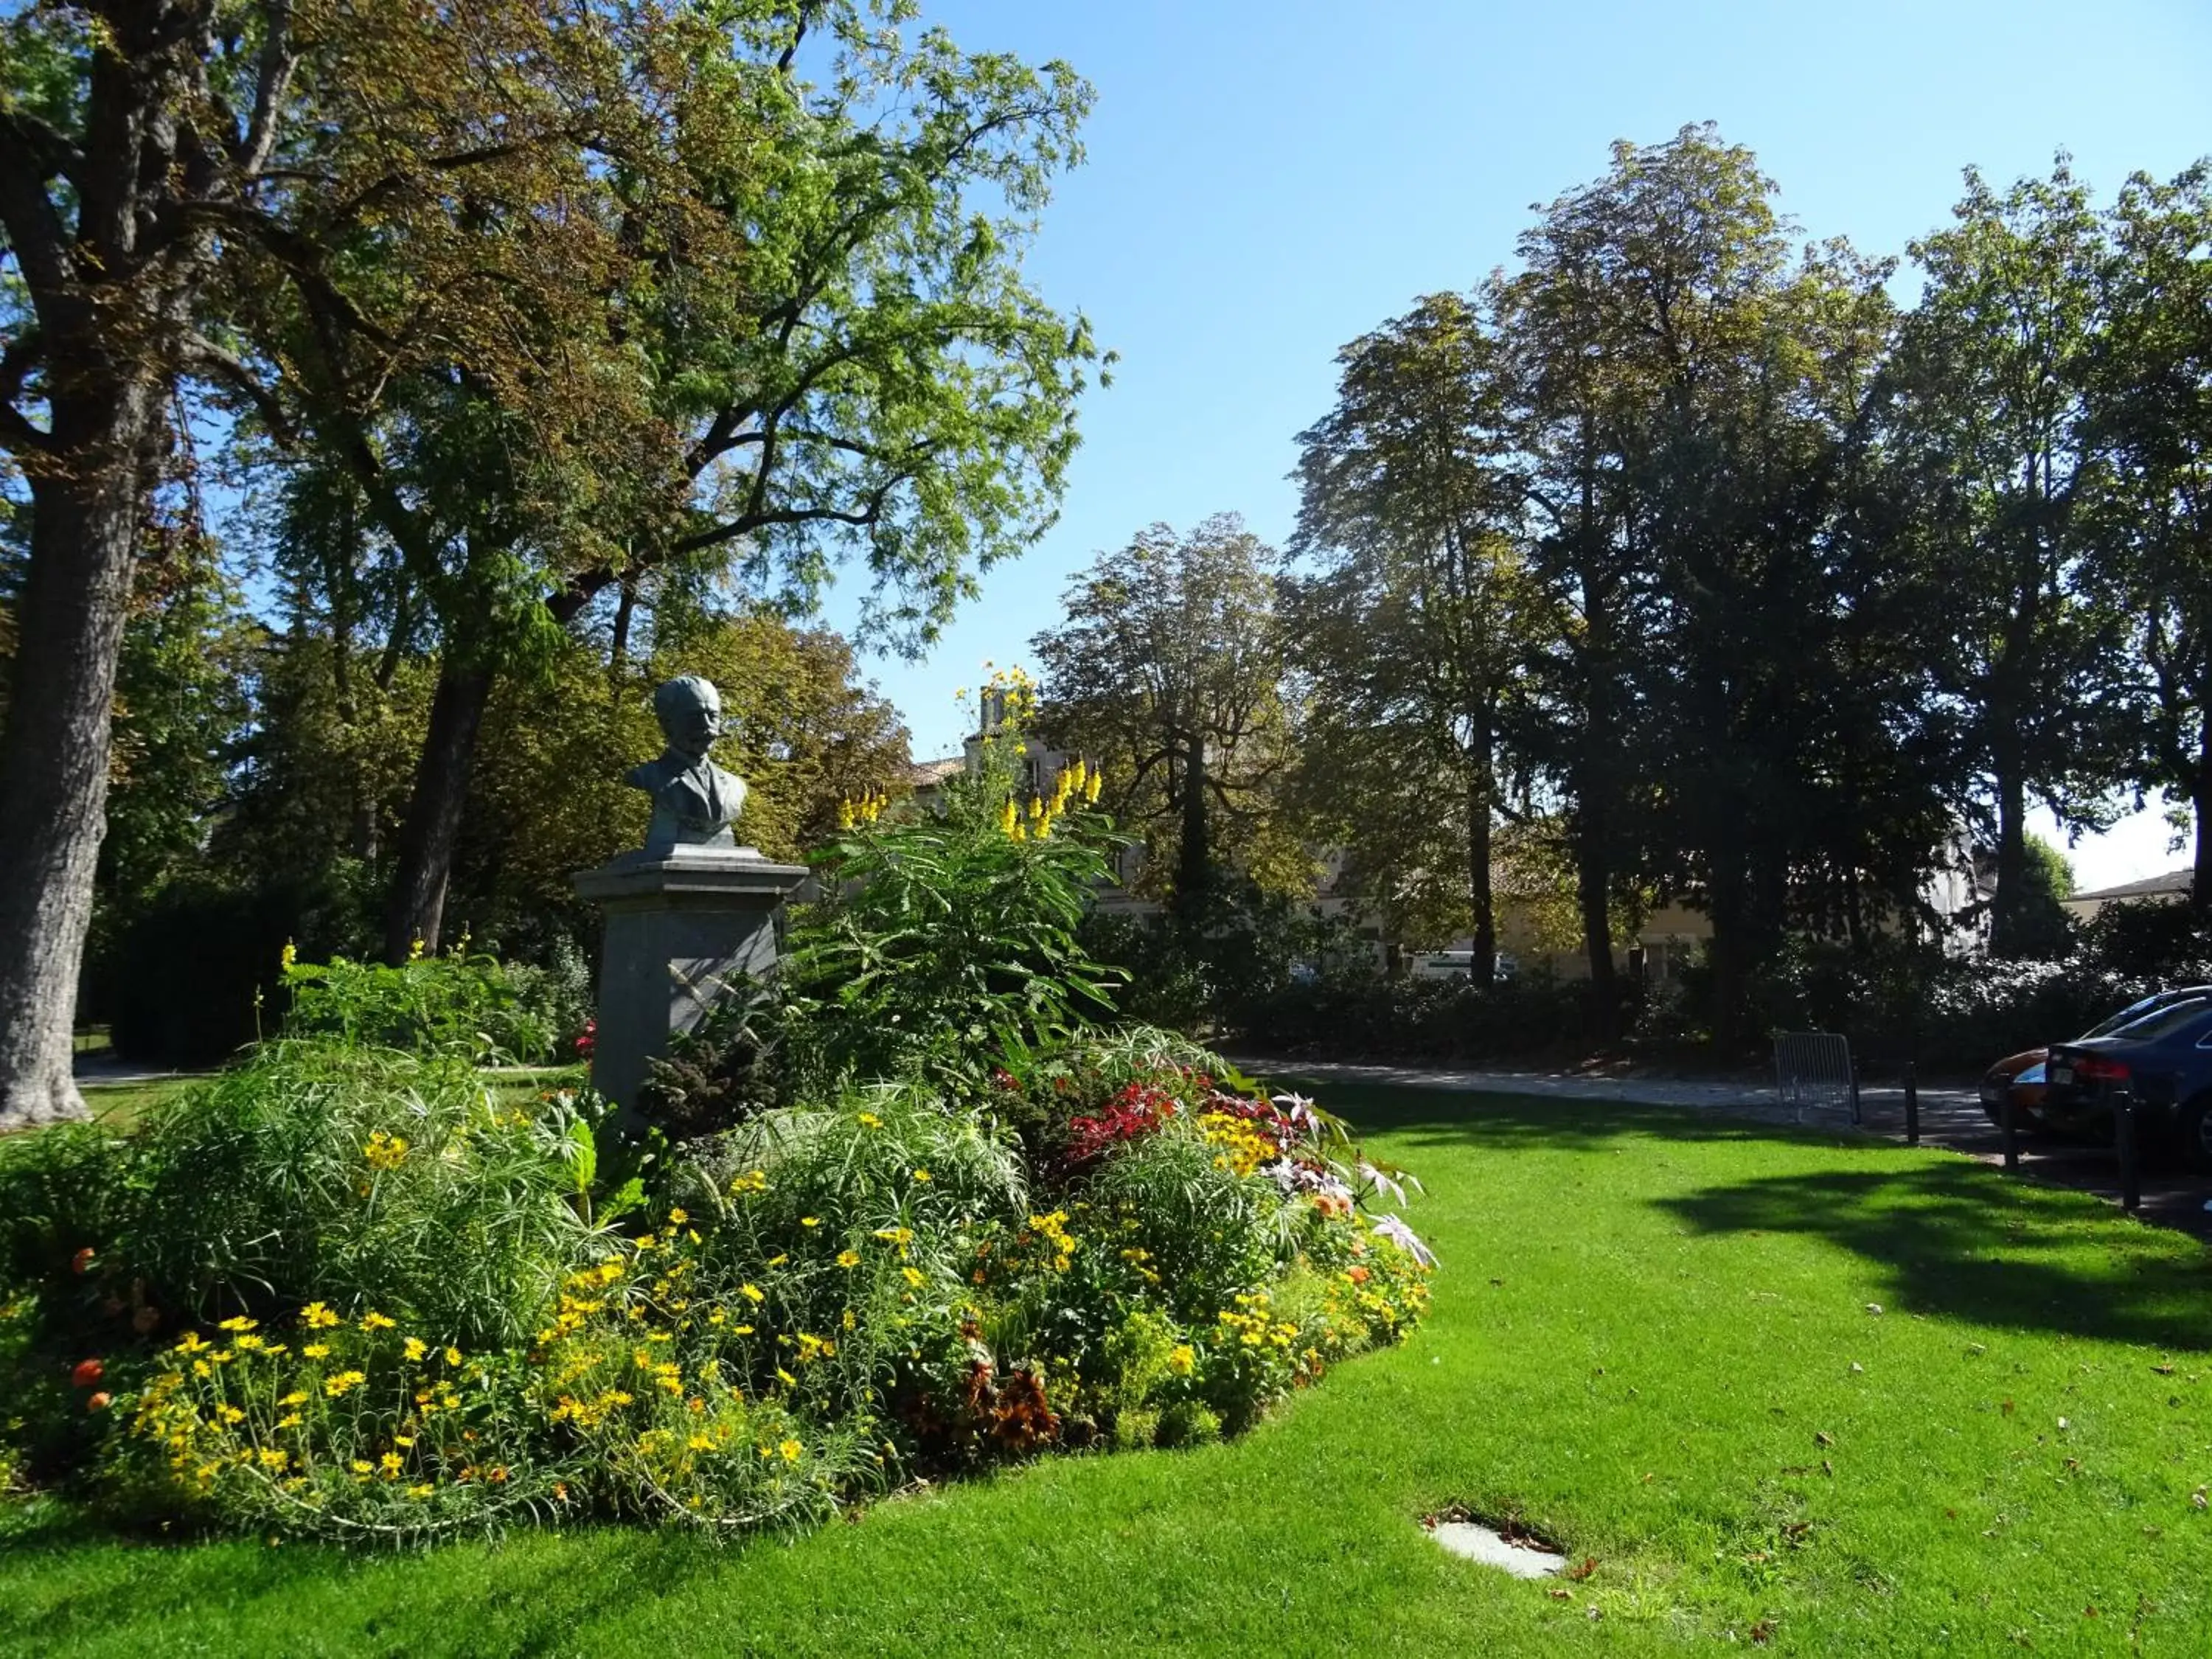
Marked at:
<point>231,371</point>
<point>15,427</point>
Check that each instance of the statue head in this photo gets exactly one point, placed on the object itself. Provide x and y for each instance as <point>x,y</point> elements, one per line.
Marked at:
<point>689,711</point>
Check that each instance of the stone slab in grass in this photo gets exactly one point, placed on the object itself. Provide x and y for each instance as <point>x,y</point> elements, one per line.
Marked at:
<point>1477,1542</point>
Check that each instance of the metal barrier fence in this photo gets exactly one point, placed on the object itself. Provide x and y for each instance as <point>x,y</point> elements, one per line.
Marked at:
<point>1812,1071</point>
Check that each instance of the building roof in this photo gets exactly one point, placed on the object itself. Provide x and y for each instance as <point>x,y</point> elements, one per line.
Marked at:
<point>922,774</point>
<point>2173,881</point>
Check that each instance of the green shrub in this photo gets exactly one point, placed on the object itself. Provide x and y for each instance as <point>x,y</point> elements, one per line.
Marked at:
<point>461,1004</point>
<point>947,940</point>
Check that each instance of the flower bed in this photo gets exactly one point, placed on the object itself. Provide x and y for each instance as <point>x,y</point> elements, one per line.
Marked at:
<point>912,1212</point>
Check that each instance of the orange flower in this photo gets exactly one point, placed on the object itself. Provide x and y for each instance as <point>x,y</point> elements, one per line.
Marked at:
<point>1357,1275</point>
<point>98,1402</point>
<point>81,1262</point>
<point>86,1373</point>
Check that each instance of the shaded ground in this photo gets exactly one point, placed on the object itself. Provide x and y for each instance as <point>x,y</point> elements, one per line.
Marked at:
<point>1951,1116</point>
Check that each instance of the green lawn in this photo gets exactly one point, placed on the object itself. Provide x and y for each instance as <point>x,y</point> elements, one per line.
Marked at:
<point>1651,1339</point>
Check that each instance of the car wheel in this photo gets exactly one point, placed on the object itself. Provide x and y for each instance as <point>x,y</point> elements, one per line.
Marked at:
<point>2196,1127</point>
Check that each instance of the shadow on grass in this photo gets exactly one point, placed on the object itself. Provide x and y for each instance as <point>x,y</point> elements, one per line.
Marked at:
<point>1960,1240</point>
<point>1954,1238</point>
<point>530,1592</point>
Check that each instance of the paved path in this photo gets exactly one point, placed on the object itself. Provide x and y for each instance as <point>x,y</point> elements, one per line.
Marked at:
<point>1951,1116</point>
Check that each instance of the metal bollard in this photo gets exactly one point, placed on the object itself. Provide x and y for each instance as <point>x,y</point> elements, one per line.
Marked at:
<point>2123,1135</point>
<point>2011,1131</point>
<point>1911,1106</point>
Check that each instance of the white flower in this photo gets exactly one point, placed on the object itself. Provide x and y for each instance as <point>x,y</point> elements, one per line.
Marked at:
<point>1381,1182</point>
<point>1399,1233</point>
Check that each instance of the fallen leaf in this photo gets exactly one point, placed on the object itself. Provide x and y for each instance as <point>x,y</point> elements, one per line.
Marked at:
<point>2197,1499</point>
<point>1950,1514</point>
<point>1562,1595</point>
<point>2163,1370</point>
<point>2005,1408</point>
<point>1823,1437</point>
<point>1827,1468</point>
<point>1873,1307</point>
<point>1763,1632</point>
<point>1587,1567</point>
<point>1857,1370</point>
<point>2063,1424</point>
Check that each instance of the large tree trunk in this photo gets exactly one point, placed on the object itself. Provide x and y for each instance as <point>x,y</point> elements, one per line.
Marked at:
<point>1193,861</point>
<point>1483,969</point>
<point>2200,800</point>
<point>54,752</point>
<point>1593,890</point>
<point>2008,912</point>
<point>416,909</point>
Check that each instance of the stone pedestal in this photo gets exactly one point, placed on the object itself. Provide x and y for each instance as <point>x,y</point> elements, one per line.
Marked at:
<point>679,924</point>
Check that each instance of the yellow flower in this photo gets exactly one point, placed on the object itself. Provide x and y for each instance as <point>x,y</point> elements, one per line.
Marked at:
<point>791,1449</point>
<point>297,1397</point>
<point>384,1151</point>
<point>452,1356</point>
<point>373,1320</point>
<point>809,1221</point>
<point>751,1293</point>
<point>338,1386</point>
<point>913,1277</point>
<point>1181,1358</point>
<point>191,1342</point>
<point>870,1121</point>
<point>288,956</point>
<point>415,950</point>
<point>316,1351</point>
<point>240,1323</point>
<point>390,1460</point>
<point>787,1377</point>
<point>677,1217</point>
<point>315,1316</point>
<point>849,1258</point>
<point>923,1176</point>
<point>417,1347</point>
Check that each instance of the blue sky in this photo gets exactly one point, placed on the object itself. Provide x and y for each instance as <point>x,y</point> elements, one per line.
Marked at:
<point>1266,181</point>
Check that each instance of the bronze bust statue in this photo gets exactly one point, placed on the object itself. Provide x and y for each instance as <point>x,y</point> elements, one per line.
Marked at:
<point>694,801</point>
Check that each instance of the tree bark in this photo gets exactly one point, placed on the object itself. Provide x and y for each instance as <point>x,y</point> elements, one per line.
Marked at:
<point>1194,861</point>
<point>2008,911</point>
<point>54,752</point>
<point>2200,803</point>
<point>415,909</point>
<point>1483,967</point>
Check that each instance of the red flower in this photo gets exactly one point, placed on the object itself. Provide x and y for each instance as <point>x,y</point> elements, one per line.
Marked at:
<point>88,1372</point>
<point>81,1262</point>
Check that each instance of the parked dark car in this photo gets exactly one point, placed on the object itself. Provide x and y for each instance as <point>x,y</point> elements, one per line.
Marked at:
<point>2024,1075</point>
<point>2164,1060</point>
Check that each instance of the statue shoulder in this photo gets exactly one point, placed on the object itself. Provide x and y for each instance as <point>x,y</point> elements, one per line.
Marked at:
<point>647,776</point>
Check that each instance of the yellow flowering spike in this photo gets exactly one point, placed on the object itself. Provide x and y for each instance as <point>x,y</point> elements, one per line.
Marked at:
<point>1008,822</point>
<point>1091,788</point>
<point>1036,806</point>
<point>844,815</point>
<point>288,956</point>
<point>415,950</point>
<point>1018,833</point>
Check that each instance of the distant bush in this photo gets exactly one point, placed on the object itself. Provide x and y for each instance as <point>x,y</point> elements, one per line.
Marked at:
<point>1452,1020</point>
<point>460,1003</point>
